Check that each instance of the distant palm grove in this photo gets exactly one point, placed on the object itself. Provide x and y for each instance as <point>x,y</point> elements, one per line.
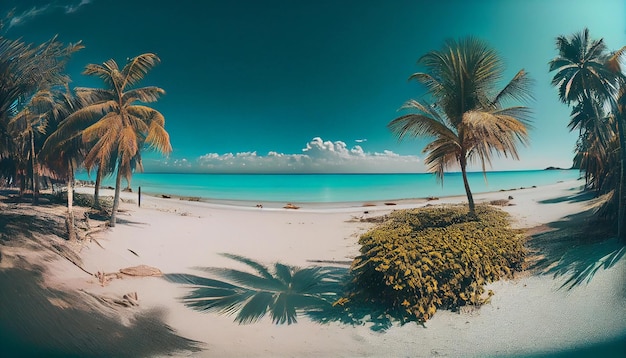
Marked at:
<point>49,130</point>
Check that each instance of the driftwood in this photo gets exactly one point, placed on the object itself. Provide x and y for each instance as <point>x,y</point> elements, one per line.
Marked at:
<point>141,270</point>
<point>135,271</point>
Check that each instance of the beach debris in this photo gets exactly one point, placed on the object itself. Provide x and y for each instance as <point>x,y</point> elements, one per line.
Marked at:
<point>141,270</point>
<point>136,271</point>
<point>430,198</point>
<point>260,206</point>
<point>499,202</point>
<point>104,278</point>
<point>369,204</point>
<point>510,197</point>
<point>133,252</point>
<point>291,206</point>
<point>166,196</point>
<point>390,204</point>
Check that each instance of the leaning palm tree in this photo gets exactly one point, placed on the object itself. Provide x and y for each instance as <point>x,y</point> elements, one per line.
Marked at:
<point>588,76</point>
<point>466,118</point>
<point>123,127</point>
<point>282,291</point>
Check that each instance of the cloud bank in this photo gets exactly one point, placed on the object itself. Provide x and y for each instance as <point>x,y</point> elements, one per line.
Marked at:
<point>318,156</point>
<point>28,15</point>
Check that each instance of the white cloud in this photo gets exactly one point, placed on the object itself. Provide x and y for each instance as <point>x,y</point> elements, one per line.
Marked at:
<point>24,17</point>
<point>360,140</point>
<point>318,156</point>
<point>73,8</point>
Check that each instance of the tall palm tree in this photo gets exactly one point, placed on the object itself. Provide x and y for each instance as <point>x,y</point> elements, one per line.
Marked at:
<point>619,110</point>
<point>466,118</point>
<point>63,151</point>
<point>589,78</point>
<point>26,73</point>
<point>283,290</point>
<point>123,127</point>
<point>29,129</point>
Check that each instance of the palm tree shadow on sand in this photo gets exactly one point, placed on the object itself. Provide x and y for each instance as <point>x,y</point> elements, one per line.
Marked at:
<point>38,321</point>
<point>575,248</point>
<point>283,292</point>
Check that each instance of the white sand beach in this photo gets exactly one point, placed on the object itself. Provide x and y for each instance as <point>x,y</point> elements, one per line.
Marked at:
<point>531,314</point>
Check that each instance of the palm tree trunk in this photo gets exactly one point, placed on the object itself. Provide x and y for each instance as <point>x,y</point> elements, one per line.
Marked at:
<point>468,191</point>
<point>96,192</point>
<point>116,198</point>
<point>35,176</point>
<point>621,201</point>
<point>71,229</point>
<point>22,179</point>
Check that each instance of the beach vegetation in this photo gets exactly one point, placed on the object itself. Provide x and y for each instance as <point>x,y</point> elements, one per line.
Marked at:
<point>589,78</point>
<point>465,112</point>
<point>114,125</point>
<point>422,260</point>
<point>282,291</point>
<point>32,76</point>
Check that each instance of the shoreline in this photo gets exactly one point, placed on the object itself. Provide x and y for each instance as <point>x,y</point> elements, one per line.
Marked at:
<point>310,189</point>
<point>372,205</point>
<point>529,315</point>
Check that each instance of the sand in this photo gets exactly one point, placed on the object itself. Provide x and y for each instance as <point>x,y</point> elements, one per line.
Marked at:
<point>532,314</point>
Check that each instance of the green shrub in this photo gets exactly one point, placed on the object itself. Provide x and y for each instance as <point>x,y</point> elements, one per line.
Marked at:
<point>437,257</point>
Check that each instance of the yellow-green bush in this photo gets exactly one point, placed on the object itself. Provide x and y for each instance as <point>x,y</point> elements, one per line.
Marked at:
<point>438,257</point>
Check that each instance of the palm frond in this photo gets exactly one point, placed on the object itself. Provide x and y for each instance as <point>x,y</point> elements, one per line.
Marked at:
<point>144,94</point>
<point>426,122</point>
<point>137,68</point>
<point>518,89</point>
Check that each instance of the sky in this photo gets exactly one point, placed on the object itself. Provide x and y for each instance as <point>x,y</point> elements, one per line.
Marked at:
<point>310,86</point>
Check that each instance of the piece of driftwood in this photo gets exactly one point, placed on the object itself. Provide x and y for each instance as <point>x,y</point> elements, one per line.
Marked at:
<point>141,270</point>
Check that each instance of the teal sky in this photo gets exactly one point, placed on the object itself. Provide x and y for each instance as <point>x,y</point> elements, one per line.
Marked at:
<point>309,86</point>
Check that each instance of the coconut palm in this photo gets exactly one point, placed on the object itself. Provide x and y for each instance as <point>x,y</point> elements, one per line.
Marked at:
<point>64,152</point>
<point>29,128</point>
<point>589,77</point>
<point>117,126</point>
<point>619,111</point>
<point>466,118</point>
<point>283,291</point>
<point>27,72</point>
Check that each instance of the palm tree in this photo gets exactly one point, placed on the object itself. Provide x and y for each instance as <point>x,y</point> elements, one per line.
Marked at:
<point>283,291</point>
<point>589,77</point>
<point>122,127</point>
<point>619,110</point>
<point>466,118</point>
<point>64,151</point>
<point>27,74</point>
<point>29,130</point>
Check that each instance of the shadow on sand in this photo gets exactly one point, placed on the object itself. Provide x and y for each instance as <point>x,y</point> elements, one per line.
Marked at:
<point>36,321</point>
<point>40,322</point>
<point>575,247</point>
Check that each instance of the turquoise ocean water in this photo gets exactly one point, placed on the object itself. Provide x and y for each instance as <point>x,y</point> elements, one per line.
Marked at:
<point>325,188</point>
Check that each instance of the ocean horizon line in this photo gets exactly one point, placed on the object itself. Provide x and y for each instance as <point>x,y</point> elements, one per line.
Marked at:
<point>348,173</point>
